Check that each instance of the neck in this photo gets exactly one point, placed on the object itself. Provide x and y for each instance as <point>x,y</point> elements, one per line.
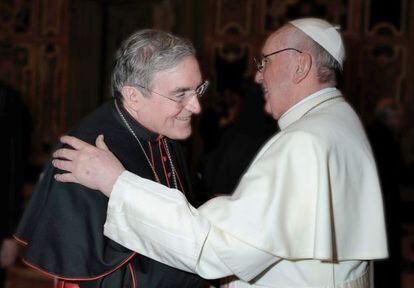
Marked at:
<point>305,91</point>
<point>131,116</point>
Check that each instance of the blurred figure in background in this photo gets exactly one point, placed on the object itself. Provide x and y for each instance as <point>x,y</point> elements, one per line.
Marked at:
<point>239,141</point>
<point>384,134</point>
<point>14,145</point>
<point>216,118</point>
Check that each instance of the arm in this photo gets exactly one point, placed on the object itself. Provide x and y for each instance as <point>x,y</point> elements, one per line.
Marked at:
<point>94,167</point>
<point>157,221</point>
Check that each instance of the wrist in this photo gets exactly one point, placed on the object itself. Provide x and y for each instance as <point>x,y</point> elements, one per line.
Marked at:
<point>107,189</point>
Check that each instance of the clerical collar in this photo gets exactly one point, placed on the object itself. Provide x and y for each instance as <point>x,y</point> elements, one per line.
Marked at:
<point>138,129</point>
<point>311,96</point>
<point>302,108</point>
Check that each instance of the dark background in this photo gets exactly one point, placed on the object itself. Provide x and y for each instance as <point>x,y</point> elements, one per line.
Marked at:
<point>58,55</point>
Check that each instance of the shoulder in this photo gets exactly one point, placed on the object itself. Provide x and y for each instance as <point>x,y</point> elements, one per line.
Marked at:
<point>286,146</point>
<point>100,121</point>
<point>333,126</point>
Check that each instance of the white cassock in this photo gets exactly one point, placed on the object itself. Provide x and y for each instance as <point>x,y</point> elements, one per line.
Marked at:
<point>308,211</point>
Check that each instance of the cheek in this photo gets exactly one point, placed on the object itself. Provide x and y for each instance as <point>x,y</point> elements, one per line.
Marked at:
<point>267,108</point>
<point>271,81</point>
<point>266,77</point>
<point>171,115</point>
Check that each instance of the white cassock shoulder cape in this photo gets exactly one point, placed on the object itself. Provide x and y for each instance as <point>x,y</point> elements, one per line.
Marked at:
<point>312,192</point>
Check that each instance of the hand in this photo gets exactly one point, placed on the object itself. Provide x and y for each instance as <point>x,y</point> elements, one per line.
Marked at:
<point>94,167</point>
<point>8,253</point>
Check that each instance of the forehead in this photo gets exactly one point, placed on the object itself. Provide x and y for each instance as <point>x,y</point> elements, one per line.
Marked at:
<point>186,72</point>
<point>276,40</point>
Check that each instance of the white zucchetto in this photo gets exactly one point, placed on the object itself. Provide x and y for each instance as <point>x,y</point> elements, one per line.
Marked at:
<point>324,34</point>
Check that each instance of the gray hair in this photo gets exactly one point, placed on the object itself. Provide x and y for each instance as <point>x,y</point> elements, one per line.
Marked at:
<point>145,53</point>
<point>327,66</point>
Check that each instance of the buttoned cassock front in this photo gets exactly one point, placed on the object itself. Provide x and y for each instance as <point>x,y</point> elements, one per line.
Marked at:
<point>307,212</point>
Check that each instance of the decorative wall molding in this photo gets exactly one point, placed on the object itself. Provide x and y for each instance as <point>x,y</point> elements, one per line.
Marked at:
<point>33,58</point>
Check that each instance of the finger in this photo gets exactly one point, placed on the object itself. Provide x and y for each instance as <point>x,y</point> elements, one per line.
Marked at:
<point>100,143</point>
<point>66,177</point>
<point>65,153</point>
<point>74,142</point>
<point>63,165</point>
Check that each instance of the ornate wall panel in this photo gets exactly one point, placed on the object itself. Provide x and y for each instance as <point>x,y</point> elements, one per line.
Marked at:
<point>231,39</point>
<point>278,12</point>
<point>233,17</point>
<point>382,74</point>
<point>85,56</point>
<point>386,18</point>
<point>33,58</point>
<point>121,19</point>
<point>383,62</point>
<point>230,63</point>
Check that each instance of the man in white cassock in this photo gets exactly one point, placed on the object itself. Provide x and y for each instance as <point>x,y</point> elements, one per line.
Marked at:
<point>306,213</point>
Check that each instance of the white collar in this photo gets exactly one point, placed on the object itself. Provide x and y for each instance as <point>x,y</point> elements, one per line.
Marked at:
<point>309,103</point>
<point>311,96</point>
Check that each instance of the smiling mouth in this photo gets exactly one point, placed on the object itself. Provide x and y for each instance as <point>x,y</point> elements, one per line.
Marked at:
<point>182,118</point>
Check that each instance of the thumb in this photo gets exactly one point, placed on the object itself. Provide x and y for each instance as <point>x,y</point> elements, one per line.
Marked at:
<point>100,143</point>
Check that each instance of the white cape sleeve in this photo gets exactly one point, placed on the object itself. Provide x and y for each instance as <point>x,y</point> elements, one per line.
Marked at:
<point>158,222</point>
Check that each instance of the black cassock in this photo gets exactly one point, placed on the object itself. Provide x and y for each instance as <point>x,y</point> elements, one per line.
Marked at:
<point>62,227</point>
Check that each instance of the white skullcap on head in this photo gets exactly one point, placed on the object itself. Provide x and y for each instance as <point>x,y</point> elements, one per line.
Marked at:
<point>324,34</point>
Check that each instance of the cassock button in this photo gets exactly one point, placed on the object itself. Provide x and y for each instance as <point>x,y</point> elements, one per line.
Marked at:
<point>164,158</point>
<point>169,174</point>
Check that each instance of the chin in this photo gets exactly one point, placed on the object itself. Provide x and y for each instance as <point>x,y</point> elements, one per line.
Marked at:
<point>180,135</point>
<point>267,109</point>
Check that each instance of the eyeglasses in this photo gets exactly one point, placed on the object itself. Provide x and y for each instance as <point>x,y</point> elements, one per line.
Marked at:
<point>184,97</point>
<point>259,62</point>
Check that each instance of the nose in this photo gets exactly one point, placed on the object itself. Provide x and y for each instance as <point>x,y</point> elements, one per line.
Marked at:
<point>258,77</point>
<point>194,105</point>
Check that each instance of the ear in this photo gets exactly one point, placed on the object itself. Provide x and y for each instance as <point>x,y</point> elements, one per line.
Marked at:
<point>303,67</point>
<point>132,97</point>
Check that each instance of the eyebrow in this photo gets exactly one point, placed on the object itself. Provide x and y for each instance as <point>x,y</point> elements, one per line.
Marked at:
<point>180,90</point>
<point>185,89</point>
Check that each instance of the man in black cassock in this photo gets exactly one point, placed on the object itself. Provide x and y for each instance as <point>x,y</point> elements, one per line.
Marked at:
<point>156,83</point>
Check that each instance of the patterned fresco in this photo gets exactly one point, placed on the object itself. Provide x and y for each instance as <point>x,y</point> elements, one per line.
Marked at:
<point>33,58</point>
<point>233,17</point>
<point>278,12</point>
<point>384,65</point>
